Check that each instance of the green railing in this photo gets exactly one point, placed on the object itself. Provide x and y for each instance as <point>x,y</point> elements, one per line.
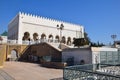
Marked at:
<point>91,72</point>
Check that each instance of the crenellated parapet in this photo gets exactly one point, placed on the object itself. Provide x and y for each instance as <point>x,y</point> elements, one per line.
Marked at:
<point>46,18</point>
<point>31,24</point>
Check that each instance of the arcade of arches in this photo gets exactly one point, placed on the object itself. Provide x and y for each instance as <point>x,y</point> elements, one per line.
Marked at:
<point>43,36</point>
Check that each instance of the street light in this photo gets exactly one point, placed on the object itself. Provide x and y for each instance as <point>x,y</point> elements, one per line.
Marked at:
<point>60,27</point>
<point>114,37</point>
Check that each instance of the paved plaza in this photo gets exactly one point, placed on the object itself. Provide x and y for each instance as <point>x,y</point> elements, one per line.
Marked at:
<point>28,71</point>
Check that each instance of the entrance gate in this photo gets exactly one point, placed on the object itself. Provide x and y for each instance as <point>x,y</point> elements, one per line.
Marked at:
<point>14,55</point>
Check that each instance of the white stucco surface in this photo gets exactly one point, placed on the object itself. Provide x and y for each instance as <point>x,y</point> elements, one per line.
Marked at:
<point>89,55</point>
<point>78,55</point>
<point>35,24</point>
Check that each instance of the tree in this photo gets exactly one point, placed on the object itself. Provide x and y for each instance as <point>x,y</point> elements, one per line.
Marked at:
<point>82,41</point>
<point>87,39</point>
<point>79,42</point>
<point>98,44</point>
<point>4,33</point>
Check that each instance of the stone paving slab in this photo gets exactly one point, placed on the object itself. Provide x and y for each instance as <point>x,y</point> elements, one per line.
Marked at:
<point>31,71</point>
<point>5,76</point>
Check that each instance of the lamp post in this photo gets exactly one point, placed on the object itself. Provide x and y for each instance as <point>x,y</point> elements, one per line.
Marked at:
<point>114,37</point>
<point>60,27</point>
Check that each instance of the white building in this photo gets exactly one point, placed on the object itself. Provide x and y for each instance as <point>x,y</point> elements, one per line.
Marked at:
<point>31,27</point>
<point>93,55</point>
<point>3,39</point>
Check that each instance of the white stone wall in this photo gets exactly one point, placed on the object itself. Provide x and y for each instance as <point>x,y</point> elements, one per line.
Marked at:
<point>96,53</point>
<point>4,39</point>
<point>89,55</point>
<point>35,24</point>
<point>13,28</point>
<point>78,55</point>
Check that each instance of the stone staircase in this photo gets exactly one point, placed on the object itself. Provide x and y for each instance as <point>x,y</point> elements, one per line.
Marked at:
<point>41,49</point>
<point>55,45</point>
<point>60,46</point>
<point>25,52</point>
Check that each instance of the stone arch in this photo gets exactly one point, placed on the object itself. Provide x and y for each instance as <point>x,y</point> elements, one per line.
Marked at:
<point>14,55</point>
<point>35,36</point>
<point>26,36</point>
<point>43,36</point>
<point>50,38</point>
<point>57,38</point>
<point>69,41</point>
<point>73,38</point>
<point>63,40</point>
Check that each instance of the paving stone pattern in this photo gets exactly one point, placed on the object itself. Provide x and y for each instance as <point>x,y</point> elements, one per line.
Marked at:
<point>5,76</point>
<point>31,71</point>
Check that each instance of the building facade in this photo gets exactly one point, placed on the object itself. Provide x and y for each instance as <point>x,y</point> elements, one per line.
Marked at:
<point>27,27</point>
<point>92,55</point>
<point>3,39</point>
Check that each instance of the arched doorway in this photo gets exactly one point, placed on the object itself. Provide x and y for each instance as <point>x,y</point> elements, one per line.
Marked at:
<point>63,40</point>
<point>35,36</point>
<point>43,36</point>
<point>14,55</point>
<point>57,38</point>
<point>50,38</point>
<point>26,36</point>
<point>69,41</point>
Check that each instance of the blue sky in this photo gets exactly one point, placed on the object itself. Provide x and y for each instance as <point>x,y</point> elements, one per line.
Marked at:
<point>101,18</point>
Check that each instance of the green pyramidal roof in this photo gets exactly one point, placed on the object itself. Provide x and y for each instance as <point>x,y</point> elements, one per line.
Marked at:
<point>4,33</point>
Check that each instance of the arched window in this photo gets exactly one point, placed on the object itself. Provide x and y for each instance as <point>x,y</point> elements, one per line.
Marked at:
<point>63,40</point>
<point>50,38</point>
<point>26,36</point>
<point>69,41</point>
<point>43,36</point>
<point>35,36</point>
<point>57,38</point>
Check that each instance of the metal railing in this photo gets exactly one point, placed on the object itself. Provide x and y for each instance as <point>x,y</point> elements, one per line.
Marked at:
<point>32,42</point>
<point>89,72</point>
<point>27,42</point>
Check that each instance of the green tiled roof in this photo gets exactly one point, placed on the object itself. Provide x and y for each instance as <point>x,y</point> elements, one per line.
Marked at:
<point>4,33</point>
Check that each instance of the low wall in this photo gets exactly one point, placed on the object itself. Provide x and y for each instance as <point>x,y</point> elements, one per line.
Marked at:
<point>58,65</point>
<point>2,55</point>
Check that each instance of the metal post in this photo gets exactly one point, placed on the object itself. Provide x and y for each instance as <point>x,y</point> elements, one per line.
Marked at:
<point>60,28</point>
